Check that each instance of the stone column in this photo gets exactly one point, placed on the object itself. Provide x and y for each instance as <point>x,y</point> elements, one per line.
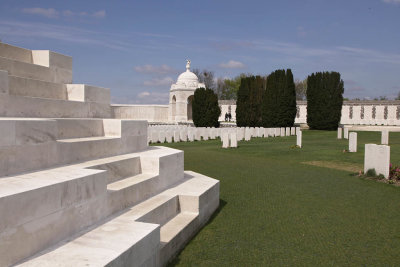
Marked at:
<point>377,157</point>
<point>385,137</point>
<point>353,142</point>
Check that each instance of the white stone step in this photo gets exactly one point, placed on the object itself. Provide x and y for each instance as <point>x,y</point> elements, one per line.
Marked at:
<point>33,71</point>
<point>119,169</point>
<point>76,128</point>
<point>80,149</point>
<point>132,190</point>
<point>33,107</point>
<point>15,53</point>
<point>36,88</point>
<point>42,208</point>
<point>135,233</point>
<point>119,242</point>
<point>180,212</point>
<point>175,234</point>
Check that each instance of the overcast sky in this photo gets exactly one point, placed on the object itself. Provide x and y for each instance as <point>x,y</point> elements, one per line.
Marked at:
<point>138,48</point>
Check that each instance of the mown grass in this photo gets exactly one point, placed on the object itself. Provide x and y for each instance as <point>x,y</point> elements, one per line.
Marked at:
<point>277,210</point>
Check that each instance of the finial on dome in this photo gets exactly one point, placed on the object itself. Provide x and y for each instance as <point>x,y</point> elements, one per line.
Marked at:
<point>187,64</point>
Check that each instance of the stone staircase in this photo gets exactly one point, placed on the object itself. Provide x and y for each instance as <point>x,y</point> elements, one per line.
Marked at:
<point>79,188</point>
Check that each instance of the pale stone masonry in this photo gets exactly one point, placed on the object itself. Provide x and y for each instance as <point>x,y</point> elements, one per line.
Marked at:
<point>81,187</point>
<point>385,137</point>
<point>282,131</point>
<point>299,138</point>
<point>346,133</point>
<point>353,142</point>
<point>377,157</point>
<point>339,133</point>
<point>233,139</point>
<point>225,140</point>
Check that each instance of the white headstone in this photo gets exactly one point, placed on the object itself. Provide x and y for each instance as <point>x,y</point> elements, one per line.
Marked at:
<point>377,157</point>
<point>260,132</point>
<point>177,136</point>
<point>197,134</point>
<point>353,142</point>
<point>287,131</point>
<point>239,134</point>
<point>233,139</point>
<point>271,132</point>
<point>190,135</point>
<point>205,134</point>
<point>292,131</point>
<point>168,136</point>
<point>266,133</point>
<point>225,139</point>
<point>385,137</point>
<point>247,134</point>
<point>346,133</point>
<point>212,133</point>
<point>339,133</point>
<point>277,131</point>
<point>256,132</point>
<point>162,136</point>
<point>282,131</point>
<point>183,135</point>
<point>299,138</point>
<point>154,136</point>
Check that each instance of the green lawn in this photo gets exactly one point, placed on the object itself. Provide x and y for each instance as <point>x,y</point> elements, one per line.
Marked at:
<point>277,210</point>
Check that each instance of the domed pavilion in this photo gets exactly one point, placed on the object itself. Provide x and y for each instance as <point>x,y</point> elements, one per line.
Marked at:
<point>181,96</point>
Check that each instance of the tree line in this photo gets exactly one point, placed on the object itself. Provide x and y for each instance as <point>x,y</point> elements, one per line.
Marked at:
<point>270,101</point>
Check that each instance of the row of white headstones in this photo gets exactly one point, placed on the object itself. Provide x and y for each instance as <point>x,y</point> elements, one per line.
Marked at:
<point>375,156</point>
<point>229,136</point>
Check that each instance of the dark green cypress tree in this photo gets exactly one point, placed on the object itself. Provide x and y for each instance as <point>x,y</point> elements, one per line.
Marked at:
<point>324,100</point>
<point>279,102</point>
<point>242,103</point>
<point>249,102</point>
<point>205,108</point>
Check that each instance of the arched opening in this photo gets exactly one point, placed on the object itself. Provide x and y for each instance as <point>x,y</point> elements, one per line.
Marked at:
<point>173,106</point>
<point>189,108</point>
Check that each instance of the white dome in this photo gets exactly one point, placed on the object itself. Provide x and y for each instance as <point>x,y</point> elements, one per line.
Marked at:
<point>187,80</point>
<point>187,77</point>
